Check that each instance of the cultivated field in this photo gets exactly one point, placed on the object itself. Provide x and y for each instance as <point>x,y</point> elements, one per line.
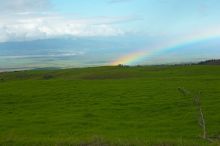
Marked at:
<point>109,106</point>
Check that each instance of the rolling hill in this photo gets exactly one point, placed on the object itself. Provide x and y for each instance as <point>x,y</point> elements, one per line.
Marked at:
<point>109,106</point>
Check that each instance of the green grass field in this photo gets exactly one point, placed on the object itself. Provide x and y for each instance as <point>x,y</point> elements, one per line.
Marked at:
<point>109,106</point>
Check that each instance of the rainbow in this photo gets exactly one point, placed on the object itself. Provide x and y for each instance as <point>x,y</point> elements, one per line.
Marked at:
<point>136,57</point>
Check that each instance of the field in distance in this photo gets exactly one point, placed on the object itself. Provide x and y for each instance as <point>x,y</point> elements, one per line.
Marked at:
<point>109,106</point>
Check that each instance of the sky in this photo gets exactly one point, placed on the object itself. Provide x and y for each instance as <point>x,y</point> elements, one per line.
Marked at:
<point>144,27</point>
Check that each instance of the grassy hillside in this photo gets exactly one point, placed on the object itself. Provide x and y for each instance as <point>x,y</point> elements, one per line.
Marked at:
<point>108,106</point>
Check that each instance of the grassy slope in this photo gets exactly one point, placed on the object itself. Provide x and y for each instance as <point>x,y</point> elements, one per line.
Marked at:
<point>138,105</point>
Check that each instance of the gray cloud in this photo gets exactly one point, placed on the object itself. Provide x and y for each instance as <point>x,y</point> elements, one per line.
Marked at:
<point>30,27</point>
<point>16,6</point>
<point>35,19</point>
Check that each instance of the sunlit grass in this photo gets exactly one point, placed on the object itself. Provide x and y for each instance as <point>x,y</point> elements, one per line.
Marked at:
<point>108,105</point>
